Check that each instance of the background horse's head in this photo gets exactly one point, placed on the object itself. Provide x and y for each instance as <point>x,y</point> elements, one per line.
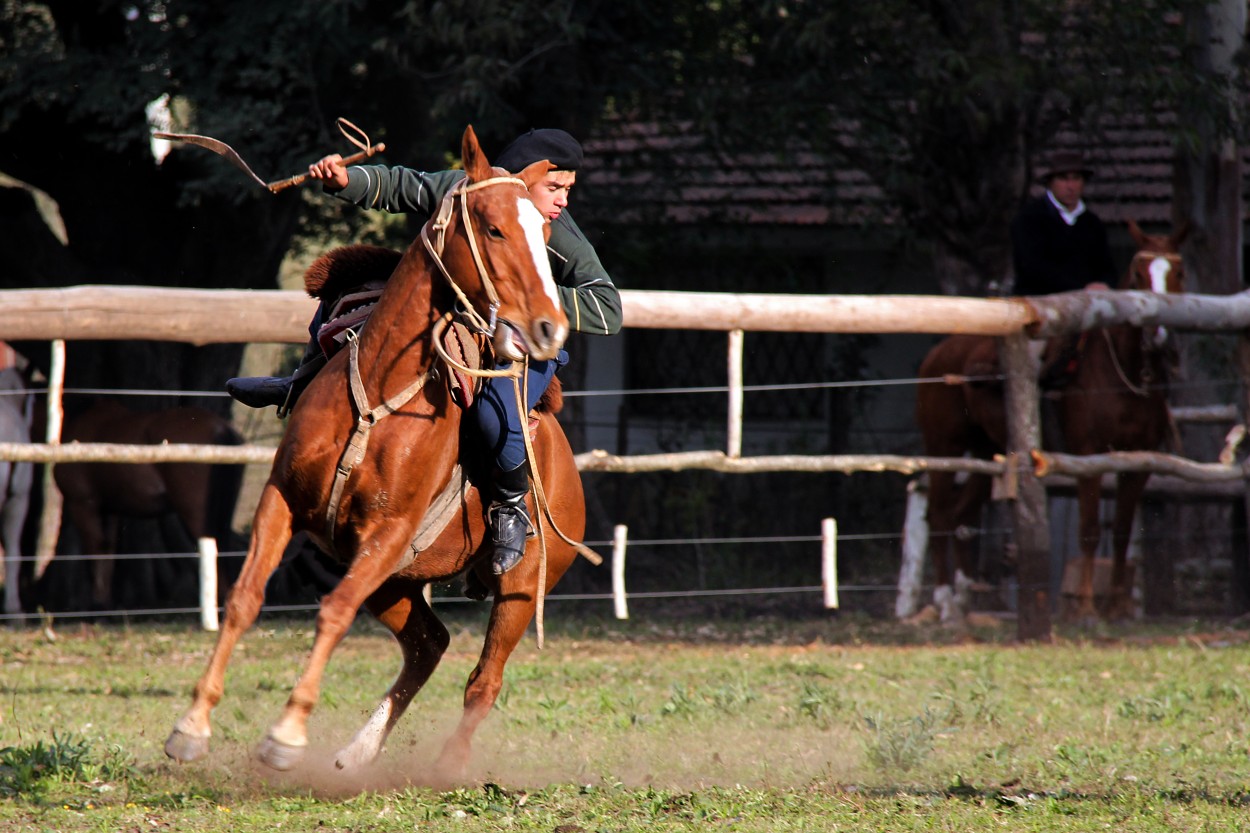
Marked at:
<point>1157,266</point>
<point>499,257</point>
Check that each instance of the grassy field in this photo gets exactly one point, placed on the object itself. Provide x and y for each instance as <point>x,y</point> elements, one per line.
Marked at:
<point>661,723</point>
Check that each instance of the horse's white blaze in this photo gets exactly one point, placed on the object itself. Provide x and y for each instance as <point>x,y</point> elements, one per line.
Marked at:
<point>532,223</point>
<point>1159,269</point>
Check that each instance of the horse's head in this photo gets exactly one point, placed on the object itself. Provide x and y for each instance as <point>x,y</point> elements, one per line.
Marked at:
<point>1157,266</point>
<point>498,258</point>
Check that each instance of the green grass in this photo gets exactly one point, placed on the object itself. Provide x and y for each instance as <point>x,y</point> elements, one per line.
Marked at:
<point>654,724</point>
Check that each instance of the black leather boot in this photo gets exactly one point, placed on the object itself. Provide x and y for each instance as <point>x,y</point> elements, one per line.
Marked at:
<point>263,391</point>
<point>509,518</point>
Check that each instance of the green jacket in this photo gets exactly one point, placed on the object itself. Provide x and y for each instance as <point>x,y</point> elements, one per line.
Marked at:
<point>589,297</point>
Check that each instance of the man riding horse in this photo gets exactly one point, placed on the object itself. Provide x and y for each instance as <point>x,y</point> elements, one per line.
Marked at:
<point>587,294</point>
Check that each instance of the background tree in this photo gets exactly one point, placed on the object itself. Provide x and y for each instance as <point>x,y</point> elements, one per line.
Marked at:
<point>266,77</point>
<point>944,104</point>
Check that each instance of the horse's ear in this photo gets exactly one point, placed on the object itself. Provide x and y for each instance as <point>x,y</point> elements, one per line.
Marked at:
<point>475,164</point>
<point>534,173</point>
<point>1139,236</point>
<point>1178,236</point>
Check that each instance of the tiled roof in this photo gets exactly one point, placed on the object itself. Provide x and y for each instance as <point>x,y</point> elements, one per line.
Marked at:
<point>653,174</point>
<point>647,173</point>
<point>1132,164</point>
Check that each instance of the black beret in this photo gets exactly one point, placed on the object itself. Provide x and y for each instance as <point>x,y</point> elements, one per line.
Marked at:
<point>549,143</point>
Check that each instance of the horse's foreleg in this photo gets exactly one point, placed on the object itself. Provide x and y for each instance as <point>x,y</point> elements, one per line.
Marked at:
<point>1089,497</point>
<point>515,602</point>
<point>271,530</point>
<point>1129,489</point>
<point>399,605</point>
<point>286,740</point>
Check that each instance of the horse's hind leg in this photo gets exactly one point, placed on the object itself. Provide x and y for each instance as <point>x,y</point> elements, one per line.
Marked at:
<point>513,609</point>
<point>271,530</point>
<point>399,605</point>
<point>951,508</point>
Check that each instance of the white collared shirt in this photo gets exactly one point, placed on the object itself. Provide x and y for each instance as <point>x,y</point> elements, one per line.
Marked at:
<point>1069,216</point>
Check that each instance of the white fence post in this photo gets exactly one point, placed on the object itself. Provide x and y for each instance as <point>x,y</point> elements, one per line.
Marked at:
<point>915,545</point>
<point>734,445</point>
<point>829,561</point>
<point>208,583</point>
<point>50,521</point>
<point>620,534</point>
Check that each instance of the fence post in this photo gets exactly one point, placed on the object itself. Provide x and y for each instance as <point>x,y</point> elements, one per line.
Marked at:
<point>620,534</point>
<point>1240,598</point>
<point>829,561</point>
<point>1032,532</point>
<point>50,519</point>
<point>208,583</point>
<point>915,545</point>
<point>736,338</point>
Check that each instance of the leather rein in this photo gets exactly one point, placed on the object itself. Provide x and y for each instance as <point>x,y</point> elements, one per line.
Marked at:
<point>1175,260</point>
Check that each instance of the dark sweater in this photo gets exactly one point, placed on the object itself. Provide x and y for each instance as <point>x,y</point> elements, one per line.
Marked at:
<point>1052,256</point>
<point>589,297</point>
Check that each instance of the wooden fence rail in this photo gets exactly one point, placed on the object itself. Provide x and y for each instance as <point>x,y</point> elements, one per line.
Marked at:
<point>220,316</point>
<point>234,316</point>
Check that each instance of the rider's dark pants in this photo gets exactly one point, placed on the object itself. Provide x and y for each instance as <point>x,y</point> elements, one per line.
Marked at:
<point>495,410</point>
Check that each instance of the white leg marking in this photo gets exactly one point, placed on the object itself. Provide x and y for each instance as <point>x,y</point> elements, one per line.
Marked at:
<point>367,742</point>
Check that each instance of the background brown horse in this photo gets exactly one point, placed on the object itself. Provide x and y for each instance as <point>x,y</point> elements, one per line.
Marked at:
<point>410,456</point>
<point>99,497</point>
<point>1115,400</point>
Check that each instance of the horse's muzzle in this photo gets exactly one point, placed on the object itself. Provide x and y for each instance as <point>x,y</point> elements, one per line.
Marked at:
<point>542,340</point>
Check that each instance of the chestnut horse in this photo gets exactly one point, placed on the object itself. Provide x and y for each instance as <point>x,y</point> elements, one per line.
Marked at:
<point>491,252</point>
<point>99,496</point>
<point>1115,399</point>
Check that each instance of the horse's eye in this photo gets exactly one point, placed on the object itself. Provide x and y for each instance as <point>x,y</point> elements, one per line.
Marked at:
<point>494,232</point>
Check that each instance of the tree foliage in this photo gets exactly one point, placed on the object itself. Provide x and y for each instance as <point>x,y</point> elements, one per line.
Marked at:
<point>945,104</point>
<point>266,77</point>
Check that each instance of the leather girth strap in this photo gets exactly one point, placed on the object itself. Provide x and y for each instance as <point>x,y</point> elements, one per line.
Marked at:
<point>366,418</point>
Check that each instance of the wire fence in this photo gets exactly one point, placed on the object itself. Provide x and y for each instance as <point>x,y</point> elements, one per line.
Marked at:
<point>816,589</point>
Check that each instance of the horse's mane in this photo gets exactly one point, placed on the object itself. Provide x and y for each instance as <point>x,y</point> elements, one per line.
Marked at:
<point>341,270</point>
<point>552,400</point>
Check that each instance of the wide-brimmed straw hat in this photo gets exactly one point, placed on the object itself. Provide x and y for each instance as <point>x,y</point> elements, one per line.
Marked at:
<point>1064,162</point>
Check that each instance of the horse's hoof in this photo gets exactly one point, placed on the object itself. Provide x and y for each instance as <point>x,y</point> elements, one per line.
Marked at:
<point>351,759</point>
<point>185,748</point>
<point>277,755</point>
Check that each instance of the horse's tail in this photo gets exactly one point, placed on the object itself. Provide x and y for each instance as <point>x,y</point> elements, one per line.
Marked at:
<point>225,481</point>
